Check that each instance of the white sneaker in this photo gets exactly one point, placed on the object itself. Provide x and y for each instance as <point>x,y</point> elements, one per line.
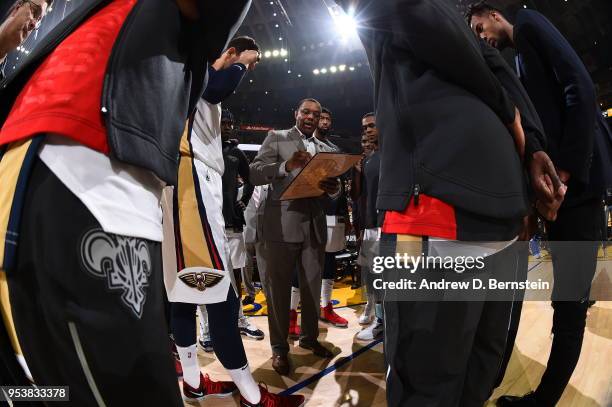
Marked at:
<point>371,332</point>
<point>368,314</point>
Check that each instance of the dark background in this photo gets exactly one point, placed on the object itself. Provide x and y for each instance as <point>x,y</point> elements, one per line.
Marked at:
<point>306,30</point>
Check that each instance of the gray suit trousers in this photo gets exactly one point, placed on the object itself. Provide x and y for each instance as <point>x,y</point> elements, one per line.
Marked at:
<point>276,262</point>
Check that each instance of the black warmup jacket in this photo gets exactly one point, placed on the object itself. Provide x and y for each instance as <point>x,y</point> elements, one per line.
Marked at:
<point>156,73</point>
<point>579,140</point>
<point>236,163</point>
<point>441,112</point>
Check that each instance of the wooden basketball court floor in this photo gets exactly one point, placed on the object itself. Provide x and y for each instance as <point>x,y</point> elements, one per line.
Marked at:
<point>355,376</point>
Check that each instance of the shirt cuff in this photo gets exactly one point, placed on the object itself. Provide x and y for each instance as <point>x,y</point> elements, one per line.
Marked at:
<point>282,171</point>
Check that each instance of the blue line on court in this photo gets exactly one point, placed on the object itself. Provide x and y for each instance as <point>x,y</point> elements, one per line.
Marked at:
<point>329,369</point>
<point>534,266</point>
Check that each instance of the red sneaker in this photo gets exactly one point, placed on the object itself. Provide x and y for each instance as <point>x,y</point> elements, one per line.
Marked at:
<point>209,389</point>
<point>329,315</point>
<point>294,328</point>
<point>274,400</point>
<point>178,368</point>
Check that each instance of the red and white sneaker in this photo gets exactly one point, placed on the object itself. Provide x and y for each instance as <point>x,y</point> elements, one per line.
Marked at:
<point>329,315</point>
<point>274,400</point>
<point>209,389</point>
<point>294,328</point>
<point>178,368</point>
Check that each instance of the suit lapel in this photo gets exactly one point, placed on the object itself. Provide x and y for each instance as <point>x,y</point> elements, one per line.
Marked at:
<point>295,135</point>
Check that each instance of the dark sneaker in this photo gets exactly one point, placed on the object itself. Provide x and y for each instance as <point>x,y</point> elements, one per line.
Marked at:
<point>274,400</point>
<point>209,389</point>
<point>249,330</point>
<point>206,345</point>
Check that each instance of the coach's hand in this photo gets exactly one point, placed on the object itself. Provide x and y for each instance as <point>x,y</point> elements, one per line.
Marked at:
<point>298,160</point>
<point>330,185</point>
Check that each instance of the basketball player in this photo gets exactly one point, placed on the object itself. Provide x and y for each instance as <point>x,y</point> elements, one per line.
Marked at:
<point>205,270</point>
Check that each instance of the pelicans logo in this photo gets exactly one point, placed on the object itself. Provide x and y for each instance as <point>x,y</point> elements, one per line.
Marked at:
<point>201,280</point>
<point>124,262</point>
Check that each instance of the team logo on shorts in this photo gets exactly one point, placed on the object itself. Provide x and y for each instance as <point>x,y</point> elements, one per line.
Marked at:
<point>124,262</point>
<point>201,279</point>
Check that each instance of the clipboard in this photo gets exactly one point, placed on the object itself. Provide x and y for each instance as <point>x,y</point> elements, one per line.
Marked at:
<point>322,165</point>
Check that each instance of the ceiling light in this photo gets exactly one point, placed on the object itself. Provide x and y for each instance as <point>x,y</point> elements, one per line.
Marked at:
<point>283,52</point>
<point>289,71</point>
<point>316,72</point>
<point>333,69</point>
<point>267,54</point>
<point>351,68</point>
<point>324,70</point>
<point>346,25</point>
<point>342,68</point>
<point>275,53</point>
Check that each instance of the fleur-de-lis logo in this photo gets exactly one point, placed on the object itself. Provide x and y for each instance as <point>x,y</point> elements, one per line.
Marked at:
<point>124,262</point>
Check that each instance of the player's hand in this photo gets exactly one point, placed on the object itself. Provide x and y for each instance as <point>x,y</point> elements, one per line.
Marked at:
<point>249,58</point>
<point>563,175</point>
<point>298,160</point>
<point>240,205</point>
<point>547,185</point>
<point>330,185</point>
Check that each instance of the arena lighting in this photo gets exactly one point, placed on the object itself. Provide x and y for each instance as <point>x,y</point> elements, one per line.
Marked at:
<point>345,24</point>
<point>324,70</point>
<point>351,68</point>
<point>342,68</point>
<point>333,69</point>
<point>283,52</point>
<point>267,54</point>
<point>316,72</point>
<point>275,53</point>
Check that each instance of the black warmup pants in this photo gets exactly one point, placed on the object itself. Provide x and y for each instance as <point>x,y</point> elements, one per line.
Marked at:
<point>88,305</point>
<point>446,353</point>
<point>574,240</point>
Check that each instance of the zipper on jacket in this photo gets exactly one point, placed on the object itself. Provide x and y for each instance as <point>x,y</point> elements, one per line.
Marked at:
<point>415,193</point>
<point>105,101</point>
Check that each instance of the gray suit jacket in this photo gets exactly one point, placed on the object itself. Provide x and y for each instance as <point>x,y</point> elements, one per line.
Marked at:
<point>284,221</point>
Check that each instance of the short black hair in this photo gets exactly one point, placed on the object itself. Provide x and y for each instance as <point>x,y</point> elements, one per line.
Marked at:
<point>371,114</point>
<point>307,100</point>
<point>326,110</point>
<point>478,9</point>
<point>243,43</point>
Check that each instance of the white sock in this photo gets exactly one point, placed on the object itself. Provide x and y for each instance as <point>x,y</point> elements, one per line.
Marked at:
<point>246,384</point>
<point>295,298</point>
<point>203,314</point>
<point>189,363</point>
<point>327,287</point>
